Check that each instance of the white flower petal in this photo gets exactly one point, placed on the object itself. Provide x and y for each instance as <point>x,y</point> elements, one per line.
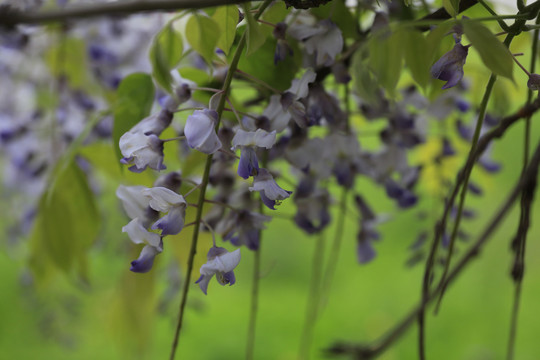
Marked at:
<point>162,199</point>
<point>133,201</point>
<point>139,235</point>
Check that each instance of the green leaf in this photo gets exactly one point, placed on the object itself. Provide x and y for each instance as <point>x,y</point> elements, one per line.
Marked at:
<point>261,65</point>
<point>418,60</point>
<point>451,7</point>
<point>165,53</point>
<point>493,53</point>
<point>134,100</point>
<point>67,222</point>
<point>255,36</point>
<point>364,83</point>
<point>226,17</point>
<point>385,58</point>
<point>203,33</point>
<point>338,12</point>
<point>68,59</point>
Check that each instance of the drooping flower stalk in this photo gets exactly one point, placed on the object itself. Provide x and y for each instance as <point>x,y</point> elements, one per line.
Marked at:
<point>204,183</point>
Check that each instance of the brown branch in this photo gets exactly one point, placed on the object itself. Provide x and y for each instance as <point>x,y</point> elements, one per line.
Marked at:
<point>10,17</point>
<point>526,181</point>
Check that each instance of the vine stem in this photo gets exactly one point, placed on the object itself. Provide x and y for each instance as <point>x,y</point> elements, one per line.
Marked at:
<point>464,188</point>
<point>204,183</point>
<point>250,346</point>
<point>462,179</point>
<point>313,299</point>
<point>10,17</point>
<point>520,251</point>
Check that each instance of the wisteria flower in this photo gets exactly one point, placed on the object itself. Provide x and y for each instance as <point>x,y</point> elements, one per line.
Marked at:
<point>449,67</point>
<point>247,141</point>
<point>220,263</point>
<point>167,201</point>
<point>142,151</point>
<point>153,245</point>
<point>270,191</point>
<point>243,228</point>
<point>200,131</point>
<point>324,40</point>
<point>282,108</point>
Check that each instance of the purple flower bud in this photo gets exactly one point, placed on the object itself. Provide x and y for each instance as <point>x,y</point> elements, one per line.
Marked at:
<point>145,261</point>
<point>249,164</point>
<point>534,82</point>
<point>449,67</point>
<point>201,133</point>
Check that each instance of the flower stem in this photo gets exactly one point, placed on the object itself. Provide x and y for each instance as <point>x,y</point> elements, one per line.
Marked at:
<point>313,299</point>
<point>204,184</point>
<point>521,238</point>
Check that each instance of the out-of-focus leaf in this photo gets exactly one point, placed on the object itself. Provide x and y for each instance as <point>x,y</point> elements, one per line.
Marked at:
<point>417,58</point>
<point>203,33</point>
<point>261,65</point>
<point>166,51</point>
<point>255,36</point>
<point>226,17</point>
<point>274,14</point>
<point>133,103</point>
<point>493,53</point>
<point>385,58</point>
<point>364,83</point>
<point>131,311</point>
<point>451,7</point>
<point>68,59</point>
<point>339,14</point>
<point>67,223</point>
<point>99,154</point>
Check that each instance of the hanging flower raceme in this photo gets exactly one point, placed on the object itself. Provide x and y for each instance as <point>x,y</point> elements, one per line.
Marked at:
<point>144,205</point>
<point>220,263</point>
<point>449,67</point>
<point>200,131</point>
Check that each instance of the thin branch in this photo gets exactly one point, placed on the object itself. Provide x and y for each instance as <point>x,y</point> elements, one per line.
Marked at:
<point>10,17</point>
<point>371,351</point>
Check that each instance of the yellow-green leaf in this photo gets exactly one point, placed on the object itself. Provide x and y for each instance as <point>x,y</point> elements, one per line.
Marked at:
<point>385,58</point>
<point>166,51</point>
<point>255,37</point>
<point>203,33</point>
<point>226,17</point>
<point>493,53</point>
<point>417,58</point>
<point>134,100</point>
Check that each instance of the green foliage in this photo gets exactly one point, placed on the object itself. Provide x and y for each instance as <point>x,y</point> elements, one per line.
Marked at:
<point>451,7</point>
<point>261,65</point>
<point>385,58</point>
<point>364,82</point>
<point>68,59</point>
<point>67,224</point>
<point>133,103</point>
<point>226,17</point>
<point>203,35</point>
<point>166,51</point>
<point>417,56</point>
<point>340,15</point>
<point>493,53</point>
<point>255,36</point>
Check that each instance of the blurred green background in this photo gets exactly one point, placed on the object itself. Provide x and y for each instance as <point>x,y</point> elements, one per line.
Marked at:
<point>119,314</point>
